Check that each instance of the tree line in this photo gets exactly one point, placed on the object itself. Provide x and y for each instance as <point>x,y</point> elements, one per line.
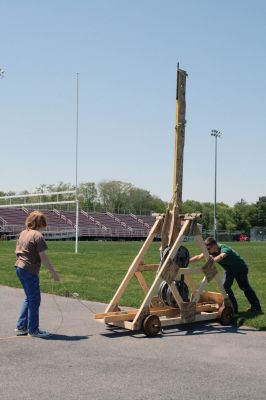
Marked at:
<point>122,197</point>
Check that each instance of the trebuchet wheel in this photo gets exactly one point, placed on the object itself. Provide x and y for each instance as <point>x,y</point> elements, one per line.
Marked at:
<point>151,325</point>
<point>227,316</point>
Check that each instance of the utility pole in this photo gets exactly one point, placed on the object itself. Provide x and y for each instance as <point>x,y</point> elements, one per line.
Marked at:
<point>216,134</point>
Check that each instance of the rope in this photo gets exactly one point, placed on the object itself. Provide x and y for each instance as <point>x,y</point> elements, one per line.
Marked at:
<point>14,337</point>
<point>75,296</point>
<point>58,308</point>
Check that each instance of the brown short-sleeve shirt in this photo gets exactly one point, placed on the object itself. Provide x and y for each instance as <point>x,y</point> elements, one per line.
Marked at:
<point>30,243</point>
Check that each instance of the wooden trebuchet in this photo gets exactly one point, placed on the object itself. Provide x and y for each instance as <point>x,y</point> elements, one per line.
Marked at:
<point>156,309</point>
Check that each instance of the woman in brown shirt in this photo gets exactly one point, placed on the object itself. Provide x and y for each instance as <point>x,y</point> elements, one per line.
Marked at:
<point>30,253</point>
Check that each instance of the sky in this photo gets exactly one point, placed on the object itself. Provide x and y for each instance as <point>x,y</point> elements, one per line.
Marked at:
<point>126,53</point>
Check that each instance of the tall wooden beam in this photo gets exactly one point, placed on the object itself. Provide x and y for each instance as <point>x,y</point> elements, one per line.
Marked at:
<point>179,136</point>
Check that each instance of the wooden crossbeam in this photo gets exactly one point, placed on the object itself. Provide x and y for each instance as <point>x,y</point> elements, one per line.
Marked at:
<point>169,312</point>
<point>148,267</point>
<point>142,281</point>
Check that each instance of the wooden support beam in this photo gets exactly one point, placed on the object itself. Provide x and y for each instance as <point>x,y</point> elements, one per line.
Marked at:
<point>165,229</point>
<point>200,289</point>
<point>142,281</point>
<point>189,271</point>
<point>135,264</point>
<point>148,267</point>
<point>221,286</point>
<point>176,294</point>
<point>175,226</point>
<point>199,317</point>
<point>209,269</point>
<point>211,297</point>
<point>200,242</point>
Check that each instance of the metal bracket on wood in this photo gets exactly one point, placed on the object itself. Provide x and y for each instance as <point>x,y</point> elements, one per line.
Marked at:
<point>188,312</point>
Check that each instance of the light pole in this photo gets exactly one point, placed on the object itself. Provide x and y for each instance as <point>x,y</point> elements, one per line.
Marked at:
<point>77,138</point>
<point>216,134</point>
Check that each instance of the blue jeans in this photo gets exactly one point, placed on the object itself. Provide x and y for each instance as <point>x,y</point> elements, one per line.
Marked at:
<point>29,314</point>
<point>243,283</point>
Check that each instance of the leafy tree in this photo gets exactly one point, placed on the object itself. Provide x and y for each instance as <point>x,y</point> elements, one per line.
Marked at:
<point>87,195</point>
<point>114,194</point>
<point>158,205</point>
<point>224,216</point>
<point>141,201</point>
<point>252,215</point>
<point>206,210</point>
<point>207,216</point>
<point>191,206</point>
<point>261,209</point>
<point>117,196</point>
<point>240,216</point>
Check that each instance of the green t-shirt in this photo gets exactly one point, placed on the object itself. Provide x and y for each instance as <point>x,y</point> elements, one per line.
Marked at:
<point>232,263</point>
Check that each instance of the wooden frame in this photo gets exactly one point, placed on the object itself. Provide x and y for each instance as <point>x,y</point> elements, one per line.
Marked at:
<point>203,305</point>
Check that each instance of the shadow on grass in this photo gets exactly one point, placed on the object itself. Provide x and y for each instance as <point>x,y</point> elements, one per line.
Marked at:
<point>194,329</point>
<point>242,317</point>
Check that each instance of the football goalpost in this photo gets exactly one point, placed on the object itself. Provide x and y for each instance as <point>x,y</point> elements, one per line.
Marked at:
<point>72,193</point>
<point>13,202</point>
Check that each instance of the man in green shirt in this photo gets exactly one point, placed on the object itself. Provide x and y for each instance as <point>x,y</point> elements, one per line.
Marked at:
<point>235,269</point>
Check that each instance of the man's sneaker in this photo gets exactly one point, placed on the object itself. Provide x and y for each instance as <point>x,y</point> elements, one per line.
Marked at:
<point>21,331</point>
<point>39,333</point>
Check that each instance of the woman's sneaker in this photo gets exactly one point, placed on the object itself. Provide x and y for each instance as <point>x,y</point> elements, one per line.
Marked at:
<point>39,333</point>
<point>21,331</point>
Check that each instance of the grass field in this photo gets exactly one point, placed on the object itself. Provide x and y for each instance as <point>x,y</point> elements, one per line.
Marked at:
<point>96,272</point>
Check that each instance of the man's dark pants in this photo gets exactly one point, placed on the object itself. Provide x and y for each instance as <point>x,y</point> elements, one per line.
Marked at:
<point>243,283</point>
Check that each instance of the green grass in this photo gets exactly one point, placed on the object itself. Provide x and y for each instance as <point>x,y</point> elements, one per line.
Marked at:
<point>96,272</point>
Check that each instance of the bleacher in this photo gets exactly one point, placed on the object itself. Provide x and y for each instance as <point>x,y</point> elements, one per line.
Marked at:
<point>92,225</point>
<point>136,223</point>
<point>89,226</point>
<point>12,221</point>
